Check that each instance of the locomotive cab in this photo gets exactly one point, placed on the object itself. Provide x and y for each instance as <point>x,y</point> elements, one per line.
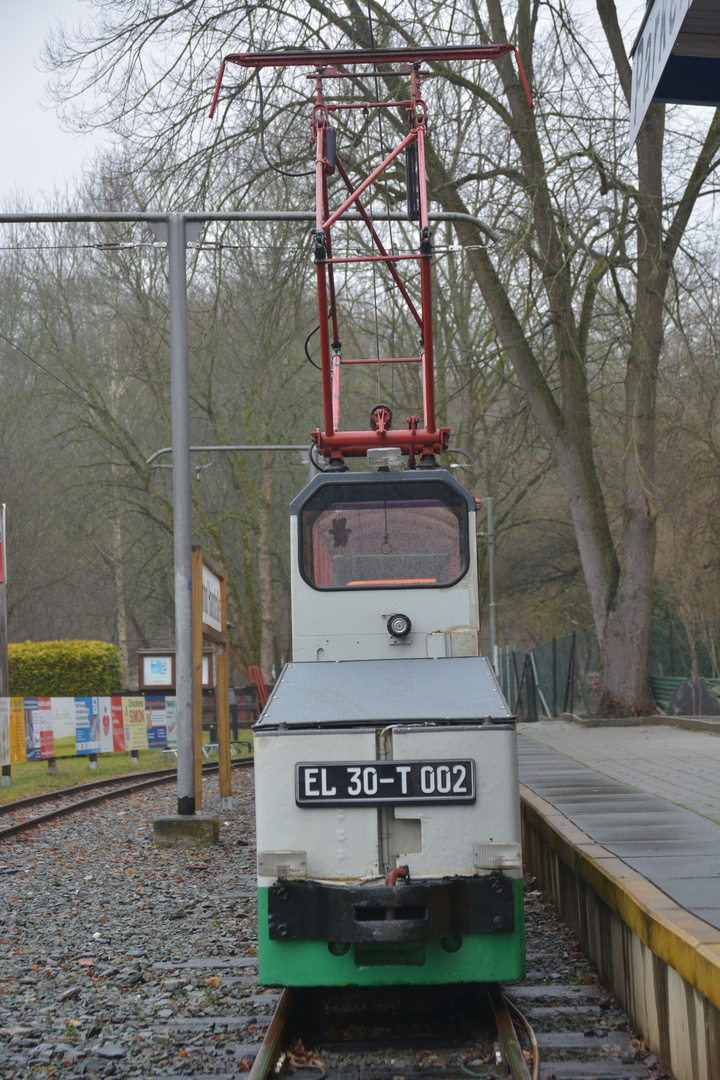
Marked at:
<point>384,565</point>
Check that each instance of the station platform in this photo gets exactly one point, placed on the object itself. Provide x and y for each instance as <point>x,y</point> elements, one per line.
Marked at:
<point>621,825</point>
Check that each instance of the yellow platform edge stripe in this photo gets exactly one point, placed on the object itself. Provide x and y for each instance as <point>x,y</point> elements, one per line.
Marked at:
<point>676,936</point>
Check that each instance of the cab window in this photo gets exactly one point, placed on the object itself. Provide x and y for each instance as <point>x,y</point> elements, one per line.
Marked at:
<point>383,535</point>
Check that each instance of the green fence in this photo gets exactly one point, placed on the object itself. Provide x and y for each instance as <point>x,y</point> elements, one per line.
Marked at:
<point>674,645</point>
<point>564,674</point>
<point>561,676</point>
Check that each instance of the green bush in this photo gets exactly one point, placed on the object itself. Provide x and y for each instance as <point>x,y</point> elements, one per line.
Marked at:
<point>64,669</point>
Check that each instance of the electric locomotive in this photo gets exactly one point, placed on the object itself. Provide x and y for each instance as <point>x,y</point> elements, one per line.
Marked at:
<point>388,823</point>
<point>387,804</point>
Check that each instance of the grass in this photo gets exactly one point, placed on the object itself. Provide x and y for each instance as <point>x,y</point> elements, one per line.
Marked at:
<point>31,777</point>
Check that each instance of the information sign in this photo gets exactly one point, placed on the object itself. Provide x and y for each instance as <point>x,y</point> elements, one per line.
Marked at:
<point>660,28</point>
<point>211,601</point>
<point>157,670</point>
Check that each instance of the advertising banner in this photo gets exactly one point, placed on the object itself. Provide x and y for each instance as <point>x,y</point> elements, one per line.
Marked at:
<point>5,731</point>
<point>106,739</point>
<point>47,734</point>
<point>135,723</point>
<point>171,721</point>
<point>87,726</point>
<point>63,724</point>
<point>17,730</point>
<point>156,720</point>
<point>117,723</point>
<point>32,729</point>
<point>63,717</point>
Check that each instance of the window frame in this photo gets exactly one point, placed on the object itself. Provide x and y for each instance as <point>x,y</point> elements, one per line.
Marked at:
<point>458,498</point>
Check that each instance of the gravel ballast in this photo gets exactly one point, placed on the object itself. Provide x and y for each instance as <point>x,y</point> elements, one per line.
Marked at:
<point>119,959</point>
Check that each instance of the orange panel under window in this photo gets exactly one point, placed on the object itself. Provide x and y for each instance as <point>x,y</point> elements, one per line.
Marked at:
<point>398,581</point>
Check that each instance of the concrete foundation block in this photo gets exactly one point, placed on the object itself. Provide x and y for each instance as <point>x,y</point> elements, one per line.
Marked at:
<point>186,831</point>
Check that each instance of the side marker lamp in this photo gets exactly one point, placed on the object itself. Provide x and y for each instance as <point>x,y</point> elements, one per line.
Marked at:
<point>282,864</point>
<point>494,855</point>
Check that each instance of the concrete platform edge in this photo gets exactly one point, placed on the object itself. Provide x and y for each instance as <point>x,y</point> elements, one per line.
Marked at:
<point>688,723</point>
<point>660,961</point>
<point>177,831</point>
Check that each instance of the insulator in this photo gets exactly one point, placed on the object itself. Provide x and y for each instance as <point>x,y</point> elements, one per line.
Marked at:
<point>412,187</point>
<point>330,143</point>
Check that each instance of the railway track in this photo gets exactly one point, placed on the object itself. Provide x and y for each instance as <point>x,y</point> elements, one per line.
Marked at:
<point>383,1033</point>
<point>80,796</point>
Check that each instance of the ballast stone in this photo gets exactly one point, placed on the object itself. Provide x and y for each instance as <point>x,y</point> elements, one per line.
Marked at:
<point>186,831</point>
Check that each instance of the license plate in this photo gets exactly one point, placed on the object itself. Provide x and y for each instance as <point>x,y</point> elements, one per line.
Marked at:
<point>365,783</point>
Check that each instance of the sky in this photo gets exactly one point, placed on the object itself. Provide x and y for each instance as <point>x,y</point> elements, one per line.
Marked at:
<point>36,155</point>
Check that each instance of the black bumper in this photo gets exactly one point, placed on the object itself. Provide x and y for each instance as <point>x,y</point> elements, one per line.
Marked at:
<point>419,911</point>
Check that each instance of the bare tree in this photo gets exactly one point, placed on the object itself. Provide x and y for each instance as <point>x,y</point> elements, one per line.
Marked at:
<point>589,232</point>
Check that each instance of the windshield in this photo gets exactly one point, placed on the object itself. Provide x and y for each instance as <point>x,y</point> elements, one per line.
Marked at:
<point>384,535</point>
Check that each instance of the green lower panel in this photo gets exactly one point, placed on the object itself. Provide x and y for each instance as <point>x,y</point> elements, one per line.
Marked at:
<point>481,958</point>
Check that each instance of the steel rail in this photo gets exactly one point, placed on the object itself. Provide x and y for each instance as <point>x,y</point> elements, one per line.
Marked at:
<point>164,776</point>
<point>74,789</point>
<point>267,1053</point>
<point>270,1047</point>
<point>508,1034</point>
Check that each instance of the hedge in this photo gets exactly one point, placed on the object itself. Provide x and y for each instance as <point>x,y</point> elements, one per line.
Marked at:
<point>64,669</point>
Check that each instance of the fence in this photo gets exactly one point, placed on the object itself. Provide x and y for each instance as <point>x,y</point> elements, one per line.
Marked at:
<point>561,676</point>
<point>674,645</point>
<point>564,675</point>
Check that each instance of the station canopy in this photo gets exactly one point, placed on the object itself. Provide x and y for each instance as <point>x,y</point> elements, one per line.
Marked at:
<point>676,57</point>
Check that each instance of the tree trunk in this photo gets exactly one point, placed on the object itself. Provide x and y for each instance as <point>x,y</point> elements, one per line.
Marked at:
<point>120,601</point>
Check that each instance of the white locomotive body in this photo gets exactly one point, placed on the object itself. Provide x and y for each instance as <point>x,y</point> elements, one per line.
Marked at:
<point>388,825</point>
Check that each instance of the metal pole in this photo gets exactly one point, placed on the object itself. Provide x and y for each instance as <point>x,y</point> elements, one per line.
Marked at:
<point>158,217</point>
<point>4,668</point>
<point>182,524</point>
<point>488,503</point>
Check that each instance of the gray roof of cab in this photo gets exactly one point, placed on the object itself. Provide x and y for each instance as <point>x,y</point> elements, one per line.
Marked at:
<point>350,693</point>
<point>407,478</point>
